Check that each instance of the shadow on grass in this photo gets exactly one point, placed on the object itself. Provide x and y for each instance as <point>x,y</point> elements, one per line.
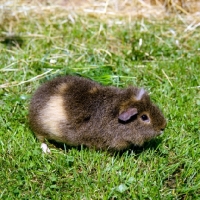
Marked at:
<point>137,150</point>
<point>151,145</point>
<point>12,40</point>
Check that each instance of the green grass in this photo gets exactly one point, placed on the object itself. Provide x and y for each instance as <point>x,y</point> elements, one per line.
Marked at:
<point>167,64</point>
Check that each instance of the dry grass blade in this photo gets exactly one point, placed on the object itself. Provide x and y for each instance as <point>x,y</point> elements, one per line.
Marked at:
<point>167,77</point>
<point>6,85</point>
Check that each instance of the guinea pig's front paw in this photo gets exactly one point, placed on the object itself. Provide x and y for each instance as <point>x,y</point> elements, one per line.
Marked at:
<point>45,148</point>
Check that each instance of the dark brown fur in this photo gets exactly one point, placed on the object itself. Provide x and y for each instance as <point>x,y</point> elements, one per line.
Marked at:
<point>78,111</point>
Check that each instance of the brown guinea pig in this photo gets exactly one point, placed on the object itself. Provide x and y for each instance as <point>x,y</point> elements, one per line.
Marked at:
<point>79,111</point>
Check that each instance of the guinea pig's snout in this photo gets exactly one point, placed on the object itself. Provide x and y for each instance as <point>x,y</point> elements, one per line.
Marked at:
<point>161,131</point>
<point>162,128</point>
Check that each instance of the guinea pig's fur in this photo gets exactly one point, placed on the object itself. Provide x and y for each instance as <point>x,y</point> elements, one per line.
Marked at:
<point>78,111</point>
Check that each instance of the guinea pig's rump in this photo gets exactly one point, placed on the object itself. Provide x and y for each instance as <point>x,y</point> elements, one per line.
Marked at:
<point>50,117</point>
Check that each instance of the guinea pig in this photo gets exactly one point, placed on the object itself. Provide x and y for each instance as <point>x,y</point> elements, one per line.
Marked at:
<point>79,111</point>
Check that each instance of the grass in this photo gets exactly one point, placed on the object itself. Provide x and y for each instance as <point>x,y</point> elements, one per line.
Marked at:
<point>161,55</point>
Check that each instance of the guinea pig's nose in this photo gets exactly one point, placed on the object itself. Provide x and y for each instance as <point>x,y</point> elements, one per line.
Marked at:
<point>161,131</point>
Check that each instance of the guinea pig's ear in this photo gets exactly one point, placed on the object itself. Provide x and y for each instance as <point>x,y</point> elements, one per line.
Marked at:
<point>140,94</point>
<point>126,115</point>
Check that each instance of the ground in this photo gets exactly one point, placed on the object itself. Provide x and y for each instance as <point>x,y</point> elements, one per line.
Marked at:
<point>157,49</point>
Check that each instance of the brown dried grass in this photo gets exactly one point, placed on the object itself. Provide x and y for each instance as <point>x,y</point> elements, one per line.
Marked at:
<point>104,8</point>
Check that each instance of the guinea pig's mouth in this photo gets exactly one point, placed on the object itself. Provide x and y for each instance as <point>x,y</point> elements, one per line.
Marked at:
<point>161,132</point>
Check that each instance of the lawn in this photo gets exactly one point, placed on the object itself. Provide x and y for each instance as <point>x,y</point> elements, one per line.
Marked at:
<point>160,54</point>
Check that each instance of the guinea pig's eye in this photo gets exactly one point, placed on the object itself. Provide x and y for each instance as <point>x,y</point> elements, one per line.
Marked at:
<point>145,118</point>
